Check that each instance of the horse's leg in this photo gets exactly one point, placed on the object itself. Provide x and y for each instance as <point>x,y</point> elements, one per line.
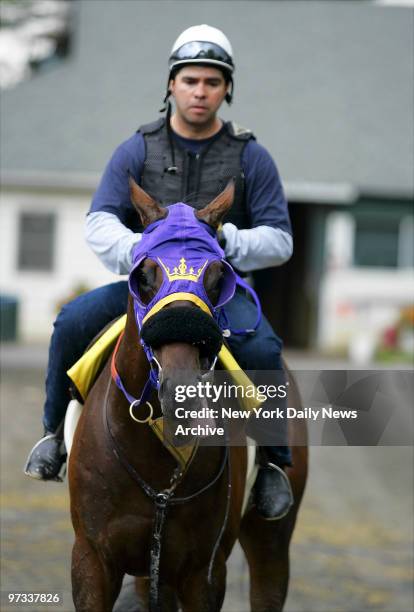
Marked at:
<point>95,586</point>
<point>266,546</point>
<point>167,598</point>
<point>198,595</point>
<point>266,543</point>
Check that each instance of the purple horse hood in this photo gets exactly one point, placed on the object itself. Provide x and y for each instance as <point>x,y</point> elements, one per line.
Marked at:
<point>183,247</point>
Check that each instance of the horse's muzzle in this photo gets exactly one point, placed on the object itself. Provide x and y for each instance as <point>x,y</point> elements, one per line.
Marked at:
<point>183,324</point>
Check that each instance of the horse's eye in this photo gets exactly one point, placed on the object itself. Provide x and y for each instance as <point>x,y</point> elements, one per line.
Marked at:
<point>213,282</point>
<point>142,279</point>
<point>146,283</point>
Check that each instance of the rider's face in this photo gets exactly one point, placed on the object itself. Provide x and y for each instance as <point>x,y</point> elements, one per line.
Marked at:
<point>198,92</point>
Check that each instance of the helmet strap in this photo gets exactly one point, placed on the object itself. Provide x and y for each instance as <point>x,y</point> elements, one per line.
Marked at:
<point>229,95</point>
<point>166,98</point>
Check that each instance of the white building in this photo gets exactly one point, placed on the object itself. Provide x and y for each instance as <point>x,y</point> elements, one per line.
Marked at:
<point>326,87</point>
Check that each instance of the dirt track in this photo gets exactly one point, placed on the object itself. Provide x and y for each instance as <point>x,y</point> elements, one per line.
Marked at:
<point>352,549</point>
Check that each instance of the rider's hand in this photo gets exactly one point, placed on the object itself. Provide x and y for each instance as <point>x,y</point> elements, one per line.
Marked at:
<point>221,239</point>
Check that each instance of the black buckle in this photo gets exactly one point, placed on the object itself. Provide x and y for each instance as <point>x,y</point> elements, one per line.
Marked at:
<point>162,499</point>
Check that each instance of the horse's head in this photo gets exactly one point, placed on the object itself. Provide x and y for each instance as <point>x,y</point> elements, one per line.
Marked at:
<point>178,282</point>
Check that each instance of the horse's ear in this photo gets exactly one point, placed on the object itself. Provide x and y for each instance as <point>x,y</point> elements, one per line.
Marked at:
<point>215,211</point>
<point>147,208</point>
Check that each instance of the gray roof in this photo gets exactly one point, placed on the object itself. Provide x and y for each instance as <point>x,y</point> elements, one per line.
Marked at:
<point>327,87</point>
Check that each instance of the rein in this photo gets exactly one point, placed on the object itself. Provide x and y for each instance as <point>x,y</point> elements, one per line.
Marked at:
<point>165,498</point>
<point>252,330</point>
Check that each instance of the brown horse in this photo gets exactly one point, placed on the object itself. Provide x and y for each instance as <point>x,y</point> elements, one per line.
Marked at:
<point>176,543</point>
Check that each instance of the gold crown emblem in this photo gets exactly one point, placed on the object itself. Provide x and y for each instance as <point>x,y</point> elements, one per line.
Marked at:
<point>180,272</point>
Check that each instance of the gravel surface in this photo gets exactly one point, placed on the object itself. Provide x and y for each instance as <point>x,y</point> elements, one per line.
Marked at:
<point>352,548</point>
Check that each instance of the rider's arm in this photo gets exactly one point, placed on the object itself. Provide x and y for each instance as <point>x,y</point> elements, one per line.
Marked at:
<point>111,224</point>
<point>256,248</point>
<point>111,241</point>
<point>269,242</point>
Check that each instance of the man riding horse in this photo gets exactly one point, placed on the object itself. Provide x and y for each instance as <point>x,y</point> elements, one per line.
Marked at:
<point>189,156</point>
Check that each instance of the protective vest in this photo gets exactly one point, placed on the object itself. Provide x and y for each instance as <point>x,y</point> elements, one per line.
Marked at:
<point>173,174</point>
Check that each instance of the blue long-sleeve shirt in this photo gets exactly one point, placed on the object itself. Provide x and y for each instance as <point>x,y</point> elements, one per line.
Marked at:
<point>111,226</point>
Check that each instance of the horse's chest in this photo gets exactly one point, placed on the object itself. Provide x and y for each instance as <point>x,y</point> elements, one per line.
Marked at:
<point>127,540</point>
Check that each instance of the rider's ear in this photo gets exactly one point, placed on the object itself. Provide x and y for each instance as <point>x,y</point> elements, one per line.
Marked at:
<point>147,208</point>
<point>214,212</point>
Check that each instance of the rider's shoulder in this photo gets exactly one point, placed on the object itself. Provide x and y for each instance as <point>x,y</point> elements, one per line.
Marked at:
<point>257,152</point>
<point>239,132</point>
<point>131,147</point>
<point>151,128</point>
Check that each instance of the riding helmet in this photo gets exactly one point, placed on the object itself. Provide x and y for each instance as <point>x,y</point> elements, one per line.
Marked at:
<point>203,44</point>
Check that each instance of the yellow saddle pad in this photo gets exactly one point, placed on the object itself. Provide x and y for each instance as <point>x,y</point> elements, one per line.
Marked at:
<point>83,372</point>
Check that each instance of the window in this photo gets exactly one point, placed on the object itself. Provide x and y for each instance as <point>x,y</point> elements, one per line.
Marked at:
<point>406,246</point>
<point>36,241</point>
<point>376,241</point>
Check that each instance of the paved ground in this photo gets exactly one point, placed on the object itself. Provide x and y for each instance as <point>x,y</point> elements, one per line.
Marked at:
<point>352,549</point>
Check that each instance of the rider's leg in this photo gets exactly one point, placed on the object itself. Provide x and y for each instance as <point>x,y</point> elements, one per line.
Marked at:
<point>77,324</point>
<point>261,352</point>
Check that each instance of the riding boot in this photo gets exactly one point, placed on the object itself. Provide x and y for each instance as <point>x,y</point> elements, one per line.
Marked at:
<point>47,457</point>
<point>273,495</point>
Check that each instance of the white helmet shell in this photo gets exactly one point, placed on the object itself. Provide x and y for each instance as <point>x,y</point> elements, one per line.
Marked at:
<point>203,33</point>
<point>202,44</point>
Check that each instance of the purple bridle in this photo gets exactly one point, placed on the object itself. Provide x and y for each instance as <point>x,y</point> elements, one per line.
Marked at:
<point>183,247</point>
